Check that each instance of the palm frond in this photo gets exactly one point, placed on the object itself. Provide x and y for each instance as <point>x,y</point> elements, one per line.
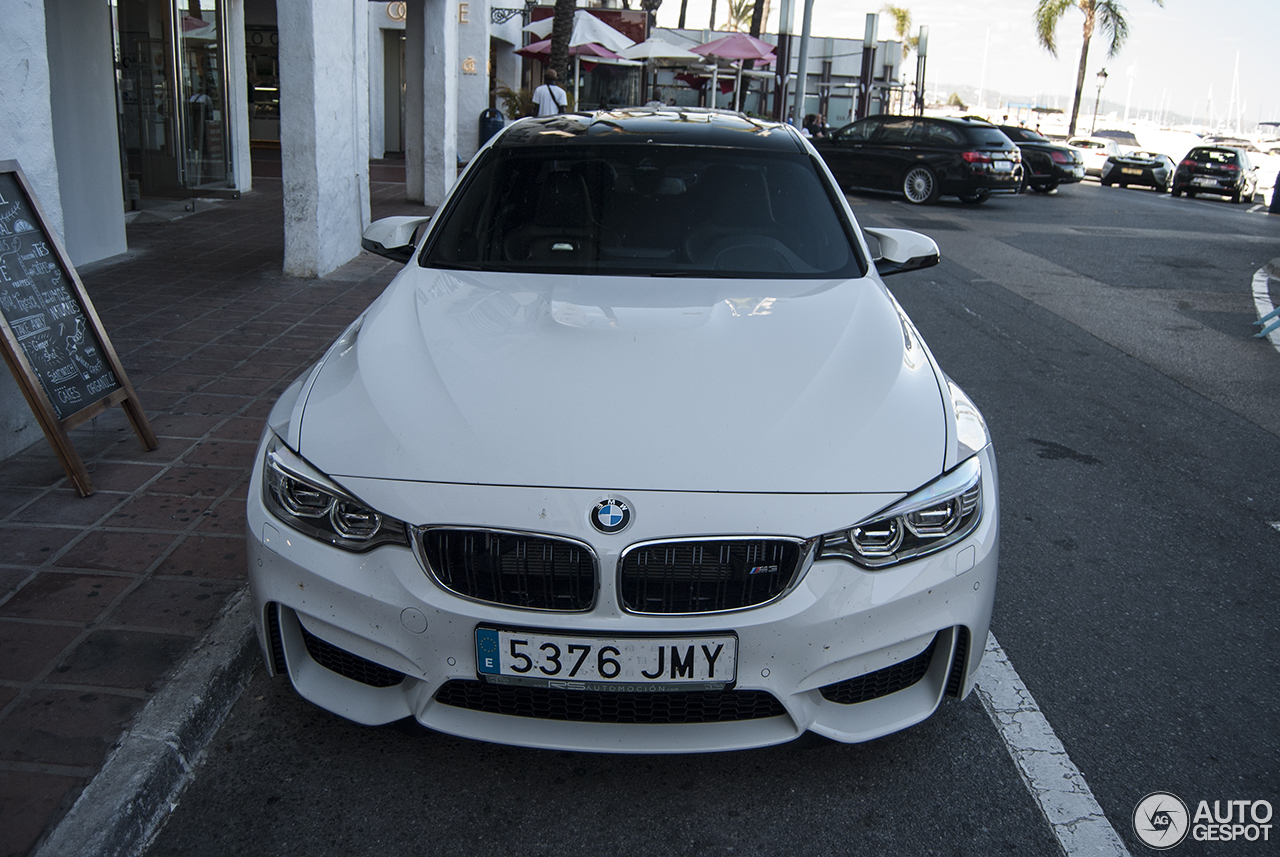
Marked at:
<point>1112,21</point>
<point>1047,15</point>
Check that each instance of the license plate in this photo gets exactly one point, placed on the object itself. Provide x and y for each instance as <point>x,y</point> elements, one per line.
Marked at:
<point>1130,171</point>
<point>1003,166</point>
<point>626,664</point>
<point>1202,181</point>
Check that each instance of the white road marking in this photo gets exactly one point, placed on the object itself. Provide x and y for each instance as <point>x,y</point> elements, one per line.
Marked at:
<point>1276,524</point>
<point>1257,207</point>
<point>1262,300</point>
<point>1058,787</point>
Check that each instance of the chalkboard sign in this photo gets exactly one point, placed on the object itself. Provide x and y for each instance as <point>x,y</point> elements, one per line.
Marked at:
<point>53,340</point>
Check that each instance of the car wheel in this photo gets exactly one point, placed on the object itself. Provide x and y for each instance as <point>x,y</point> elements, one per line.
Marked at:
<point>1043,187</point>
<point>979,195</point>
<point>1177,191</point>
<point>1122,184</point>
<point>920,186</point>
<point>1106,184</point>
<point>1161,188</point>
<point>1235,197</point>
<point>1191,194</point>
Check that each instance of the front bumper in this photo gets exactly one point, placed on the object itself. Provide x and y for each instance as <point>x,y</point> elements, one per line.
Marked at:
<point>371,637</point>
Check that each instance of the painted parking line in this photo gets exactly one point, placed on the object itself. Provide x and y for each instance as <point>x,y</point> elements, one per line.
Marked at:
<point>1056,784</point>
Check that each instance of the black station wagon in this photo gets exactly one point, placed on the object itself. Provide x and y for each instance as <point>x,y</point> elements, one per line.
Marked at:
<point>923,158</point>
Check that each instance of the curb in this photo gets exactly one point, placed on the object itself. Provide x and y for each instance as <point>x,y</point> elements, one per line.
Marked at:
<point>126,803</point>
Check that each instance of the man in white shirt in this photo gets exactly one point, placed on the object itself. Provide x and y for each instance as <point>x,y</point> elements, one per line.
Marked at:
<point>549,98</point>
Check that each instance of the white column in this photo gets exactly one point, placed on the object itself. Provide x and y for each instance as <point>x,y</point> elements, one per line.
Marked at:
<point>82,102</point>
<point>431,104</point>
<point>238,96</point>
<point>473,81</point>
<point>26,113</point>
<point>26,135</point>
<point>324,132</point>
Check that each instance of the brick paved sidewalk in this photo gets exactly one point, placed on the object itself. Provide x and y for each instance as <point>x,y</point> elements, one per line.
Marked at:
<point>102,597</point>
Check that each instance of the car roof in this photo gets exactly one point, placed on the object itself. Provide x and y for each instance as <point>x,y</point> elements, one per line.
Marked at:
<point>657,125</point>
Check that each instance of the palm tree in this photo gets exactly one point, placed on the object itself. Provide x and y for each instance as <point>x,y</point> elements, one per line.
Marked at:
<point>902,26</point>
<point>561,32</point>
<point>1097,13</point>
<point>740,15</point>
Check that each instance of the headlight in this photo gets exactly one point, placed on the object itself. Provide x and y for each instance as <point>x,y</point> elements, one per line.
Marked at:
<point>939,514</point>
<point>305,499</point>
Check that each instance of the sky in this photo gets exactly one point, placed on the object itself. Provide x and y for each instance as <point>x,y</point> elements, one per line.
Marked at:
<point>1183,54</point>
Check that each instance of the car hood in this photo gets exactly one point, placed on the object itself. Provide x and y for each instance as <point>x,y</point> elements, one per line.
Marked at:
<point>624,383</point>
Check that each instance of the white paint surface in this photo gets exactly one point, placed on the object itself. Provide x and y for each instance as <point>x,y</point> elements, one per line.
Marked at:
<point>1058,787</point>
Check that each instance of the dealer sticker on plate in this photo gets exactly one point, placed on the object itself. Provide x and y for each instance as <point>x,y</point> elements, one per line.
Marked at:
<point>620,664</point>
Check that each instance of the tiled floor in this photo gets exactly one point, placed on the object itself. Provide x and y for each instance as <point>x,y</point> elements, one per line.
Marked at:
<point>101,597</point>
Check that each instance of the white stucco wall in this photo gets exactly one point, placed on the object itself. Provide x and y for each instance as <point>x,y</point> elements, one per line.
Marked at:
<point>431,103</point>
<point>26,135</point>
<point>473,77</point>
<point>324,131</point>
<point>83,101</point>
<point>380,23</point>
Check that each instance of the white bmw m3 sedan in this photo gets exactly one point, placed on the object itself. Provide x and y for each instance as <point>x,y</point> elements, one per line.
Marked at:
<point>636,454</point>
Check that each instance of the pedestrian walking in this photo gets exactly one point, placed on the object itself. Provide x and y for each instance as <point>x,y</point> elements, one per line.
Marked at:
<point>549,98</point>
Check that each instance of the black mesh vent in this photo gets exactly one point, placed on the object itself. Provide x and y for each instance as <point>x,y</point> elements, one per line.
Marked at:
<point>883,682</point>
<point>956,678</point>
<point>518,569</point>
<point>274,640</point>
<point>348,665</point>
<point>703,706</point>
<point>704,576</point>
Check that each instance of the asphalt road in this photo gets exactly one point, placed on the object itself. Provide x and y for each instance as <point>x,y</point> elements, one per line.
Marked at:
<point>1106,335</point>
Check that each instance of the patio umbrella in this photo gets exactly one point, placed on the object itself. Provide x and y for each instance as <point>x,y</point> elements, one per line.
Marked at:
<point>737,46</point>
<point>587,28</point>
<point>655,51</point>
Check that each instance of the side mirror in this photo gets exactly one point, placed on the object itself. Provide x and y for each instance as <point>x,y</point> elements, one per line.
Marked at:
<point>896,251</point>
<point>392,237</point>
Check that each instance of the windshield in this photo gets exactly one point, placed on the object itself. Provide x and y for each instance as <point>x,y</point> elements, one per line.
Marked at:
<point>637,210</point>
<point>988,137</point>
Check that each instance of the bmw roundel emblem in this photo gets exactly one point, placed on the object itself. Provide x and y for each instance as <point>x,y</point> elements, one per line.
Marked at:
<point>611,516</point>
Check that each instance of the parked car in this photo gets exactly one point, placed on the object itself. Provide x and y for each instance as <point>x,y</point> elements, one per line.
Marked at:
<point>636,454</point>
<point>1045,164</point>
<point>923,158</point>
<point>1150,169</point>
<point>1095,151</point>
<point>1126,140</point>
<point>1221,170</point>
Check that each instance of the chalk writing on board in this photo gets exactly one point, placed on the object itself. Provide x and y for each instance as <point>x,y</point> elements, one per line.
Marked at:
<point>47,320</point>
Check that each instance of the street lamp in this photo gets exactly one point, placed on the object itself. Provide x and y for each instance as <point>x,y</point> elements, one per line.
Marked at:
<point>1102,81</point>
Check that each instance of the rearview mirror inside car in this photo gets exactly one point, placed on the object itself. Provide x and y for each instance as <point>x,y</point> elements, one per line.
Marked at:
<point>898,250</point>
<point>393,237</point>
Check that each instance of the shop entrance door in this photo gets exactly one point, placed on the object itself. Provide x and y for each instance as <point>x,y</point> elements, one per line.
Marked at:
<point>171,68</point>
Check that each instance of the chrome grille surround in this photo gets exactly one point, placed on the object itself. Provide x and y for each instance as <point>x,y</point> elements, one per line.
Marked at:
<point>512,568</point>
<point>718,574</point>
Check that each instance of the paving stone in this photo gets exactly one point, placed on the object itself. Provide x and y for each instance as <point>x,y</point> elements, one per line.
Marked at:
<point>27,802</point>
<point>188,606</point>
<point>65,506</point>
<point>65,596</point>
<point>122,658</point>
<point>204,481</point>
<point>27,648</point>
<point>65,727</point>
<point>209,556</point>
<point>111,550</point>
<point>31,545</point>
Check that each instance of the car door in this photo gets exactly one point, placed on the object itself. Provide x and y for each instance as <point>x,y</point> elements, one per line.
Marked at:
<point>893,149</point>
<point>846,152</point>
